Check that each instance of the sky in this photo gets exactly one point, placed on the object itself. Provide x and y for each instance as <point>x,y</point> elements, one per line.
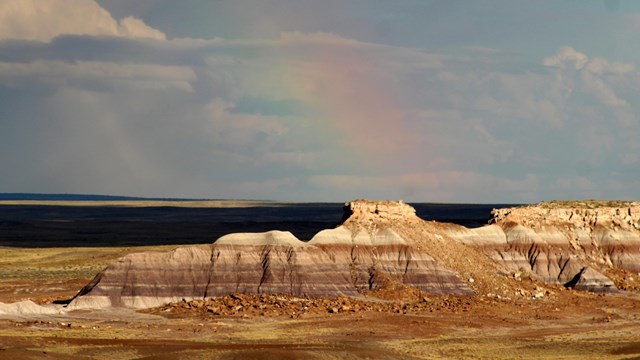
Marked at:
<point>491,101</point>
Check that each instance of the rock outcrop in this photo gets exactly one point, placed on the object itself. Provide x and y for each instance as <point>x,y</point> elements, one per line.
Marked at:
<point>378,211</point>
<point>590,280</point>
<point>558,243</point>
<point>335,262</point>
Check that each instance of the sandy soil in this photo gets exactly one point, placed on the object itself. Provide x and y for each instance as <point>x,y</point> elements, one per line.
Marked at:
<point>390,324</point>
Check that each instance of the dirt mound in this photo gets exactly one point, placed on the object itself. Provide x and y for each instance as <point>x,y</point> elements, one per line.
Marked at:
<point>26,308</point>
<point>472,265</point>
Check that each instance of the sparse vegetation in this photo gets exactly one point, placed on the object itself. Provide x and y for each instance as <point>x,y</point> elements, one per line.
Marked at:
<point>585,204</point>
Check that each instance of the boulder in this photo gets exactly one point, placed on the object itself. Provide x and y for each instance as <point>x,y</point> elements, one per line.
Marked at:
<point>589,279</point>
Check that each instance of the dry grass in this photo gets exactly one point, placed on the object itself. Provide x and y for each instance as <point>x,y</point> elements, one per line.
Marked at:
<point>46,274</point>
<point>509,348</point>
<point>585,204</point>
<point>61,263</point>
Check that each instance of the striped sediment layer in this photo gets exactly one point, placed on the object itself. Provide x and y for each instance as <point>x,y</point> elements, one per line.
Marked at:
<point>570,243</point>
<point>334,263</point>
<point>559,243</point>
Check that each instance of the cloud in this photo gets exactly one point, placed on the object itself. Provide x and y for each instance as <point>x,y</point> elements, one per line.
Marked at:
<point>96,73</point>
<point>602,66</point>
<point>567,56</point>
<point>596,76</point>
<point>434,186</point>
<point>300,38</point>
<point>242,132</point>
<point>306,116</point>
<point>132,27</point>
<point>602,91</point>
<point>44,20</point>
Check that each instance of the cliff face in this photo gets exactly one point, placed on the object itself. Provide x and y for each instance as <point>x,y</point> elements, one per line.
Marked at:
<point>384,212</point>
<point>564,242</point>
<point>378,241</point>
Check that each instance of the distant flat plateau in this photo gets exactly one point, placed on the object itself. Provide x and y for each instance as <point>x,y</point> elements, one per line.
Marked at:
<point>148,203</point>
<point>144,222</point>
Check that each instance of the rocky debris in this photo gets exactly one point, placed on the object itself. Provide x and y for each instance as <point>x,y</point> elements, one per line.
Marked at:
<point>469,262</point>
<point>624,280</point>
<point>248,305</point>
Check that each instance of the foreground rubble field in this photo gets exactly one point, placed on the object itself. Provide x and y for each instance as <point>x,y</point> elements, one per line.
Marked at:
<point>531,321</point>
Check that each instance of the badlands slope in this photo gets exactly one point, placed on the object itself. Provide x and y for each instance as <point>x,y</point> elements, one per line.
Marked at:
<point>590,246</point>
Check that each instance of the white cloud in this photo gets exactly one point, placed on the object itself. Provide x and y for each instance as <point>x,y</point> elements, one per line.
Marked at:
<point>42,20</point>
<point>567,56</point>
<point>602,66</point>
<point>598,77</point>
<point>133,27</point>
<point>602,91</point>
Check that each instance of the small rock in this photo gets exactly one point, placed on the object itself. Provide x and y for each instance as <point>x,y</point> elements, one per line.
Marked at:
<point>517,275</point>
<point>213,309</point>
<point>472,280</point>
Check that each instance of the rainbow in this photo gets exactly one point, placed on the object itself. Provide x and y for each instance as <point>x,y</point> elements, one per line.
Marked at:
<point>350,95</point>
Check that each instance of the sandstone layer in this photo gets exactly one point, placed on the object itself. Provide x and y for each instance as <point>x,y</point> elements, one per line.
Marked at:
<point>381,242</point>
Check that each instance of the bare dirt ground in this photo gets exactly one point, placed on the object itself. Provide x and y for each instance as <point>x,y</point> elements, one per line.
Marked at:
<point>393,323</point>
